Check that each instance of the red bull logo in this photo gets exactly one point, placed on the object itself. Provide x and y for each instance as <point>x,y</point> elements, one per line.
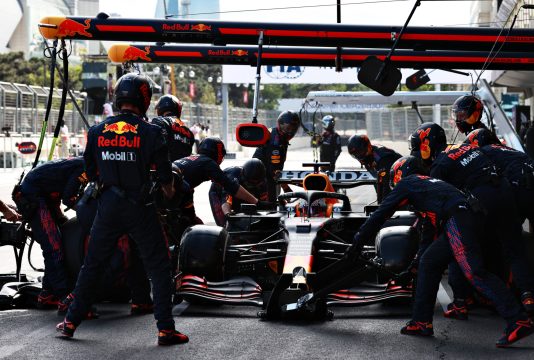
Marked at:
<point>69,27</point>
<point>132,54</point>
<point>120,128</point>
<point>397,172</point>
<point>176,27</point>
<point>457,152</point>
<point>201,27</point>
<point>473,138</point>
<point>119,141</point>
<point>26,147</point>
<point>240,52</point>
<point>424,147</point>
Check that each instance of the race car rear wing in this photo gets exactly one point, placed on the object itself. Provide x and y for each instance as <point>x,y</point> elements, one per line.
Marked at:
<point>342,179</point>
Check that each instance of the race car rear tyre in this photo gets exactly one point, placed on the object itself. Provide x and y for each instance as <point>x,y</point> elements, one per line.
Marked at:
<point>113,285</point>
<point>73,239</point>
<point>203,251</point>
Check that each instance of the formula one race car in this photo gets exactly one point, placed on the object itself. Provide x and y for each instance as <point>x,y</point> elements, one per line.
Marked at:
<point>270,259</point>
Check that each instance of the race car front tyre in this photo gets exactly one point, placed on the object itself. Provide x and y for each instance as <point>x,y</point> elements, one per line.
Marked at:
<point>203,251</point>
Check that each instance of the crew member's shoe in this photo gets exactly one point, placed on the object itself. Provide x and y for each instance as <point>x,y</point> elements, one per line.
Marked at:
<point>527,299</point>
<point>64,304</point>
<point>141,309</point>
<point>47,300</point>
<point>171,337</point>
<point>456,310</point>
<point>66,328</point>
<point>515,332</point>
<point>418,328</point>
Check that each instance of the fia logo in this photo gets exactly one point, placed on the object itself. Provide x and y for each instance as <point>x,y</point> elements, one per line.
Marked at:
<point>284,72</point>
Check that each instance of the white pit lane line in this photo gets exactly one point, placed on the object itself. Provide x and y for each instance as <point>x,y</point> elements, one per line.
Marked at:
<point>443,297</point>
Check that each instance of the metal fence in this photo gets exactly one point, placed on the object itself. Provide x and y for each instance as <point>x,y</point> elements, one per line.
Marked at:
<point>23,107</point>
<point>398,123</point>
<point>212,115</point>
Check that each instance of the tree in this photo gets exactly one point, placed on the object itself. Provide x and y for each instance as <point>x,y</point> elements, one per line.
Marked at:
<point>36,71</point>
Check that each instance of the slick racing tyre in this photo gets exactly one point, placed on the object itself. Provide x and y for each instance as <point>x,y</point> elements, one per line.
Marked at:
<point>397,246</point>
<point>202,252</point>
<point>74,249</point>
<point>113,284</point>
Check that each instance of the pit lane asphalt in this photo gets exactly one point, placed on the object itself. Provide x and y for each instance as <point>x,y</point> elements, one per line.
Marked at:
<point>227,332</point>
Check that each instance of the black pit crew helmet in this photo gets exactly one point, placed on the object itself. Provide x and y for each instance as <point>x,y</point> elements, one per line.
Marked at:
<point>133,89</point>
<point>405,166</point>
<point>467,112</point>
<point>427,141</point>
<point>328,122</point>
<point>253,174</point>
<point>481,137</point>
<point>288,124</point>
<point>169,104</point>
<point>213,147</point>
<point>360,148</point>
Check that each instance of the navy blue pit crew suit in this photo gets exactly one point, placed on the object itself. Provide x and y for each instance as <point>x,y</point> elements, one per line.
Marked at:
<point>273,155</point>
<point>458,242</point>
<point>467,168</point>
<point>39,199</point>
<point>379,165</point>
<point>180,139</point>
<point>330,142</point>
<point>218,195</point>
<point>118,155</point>
<point>199,168</point>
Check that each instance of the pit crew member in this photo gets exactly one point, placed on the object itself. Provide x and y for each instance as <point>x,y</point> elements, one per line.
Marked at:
<point>376,159</point>
<point>457,242</point>
<point>205,166</point>
<point>468,169</point>
<point>251,176</point>
<point>119,154</point>
<point>273,154</point>
<point>330,142</point>
<point>39,198</point>
<point>180,139</point>
<point>466,112</point>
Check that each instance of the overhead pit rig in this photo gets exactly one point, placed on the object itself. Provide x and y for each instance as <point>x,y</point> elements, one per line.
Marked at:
<point>320,35</point>
<point>336,45</point>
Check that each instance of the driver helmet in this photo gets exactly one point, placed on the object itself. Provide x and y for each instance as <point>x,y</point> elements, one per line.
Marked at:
<point>467,112</point>
<point>320,182</point>
<point>213,147</point>
<point>133,89</point>
<point>360,148</point>
<point>405,166</point>
<point>288,124</point>
<point>253,174</point>
<point>481,137</point>
<point>169,104</point>
<point>328,122</point>
<point>427,141</point>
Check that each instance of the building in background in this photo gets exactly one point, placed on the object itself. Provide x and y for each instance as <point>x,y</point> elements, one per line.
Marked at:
<point>188,9</point>
<point>19,19</point>
<point>172,9</point>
